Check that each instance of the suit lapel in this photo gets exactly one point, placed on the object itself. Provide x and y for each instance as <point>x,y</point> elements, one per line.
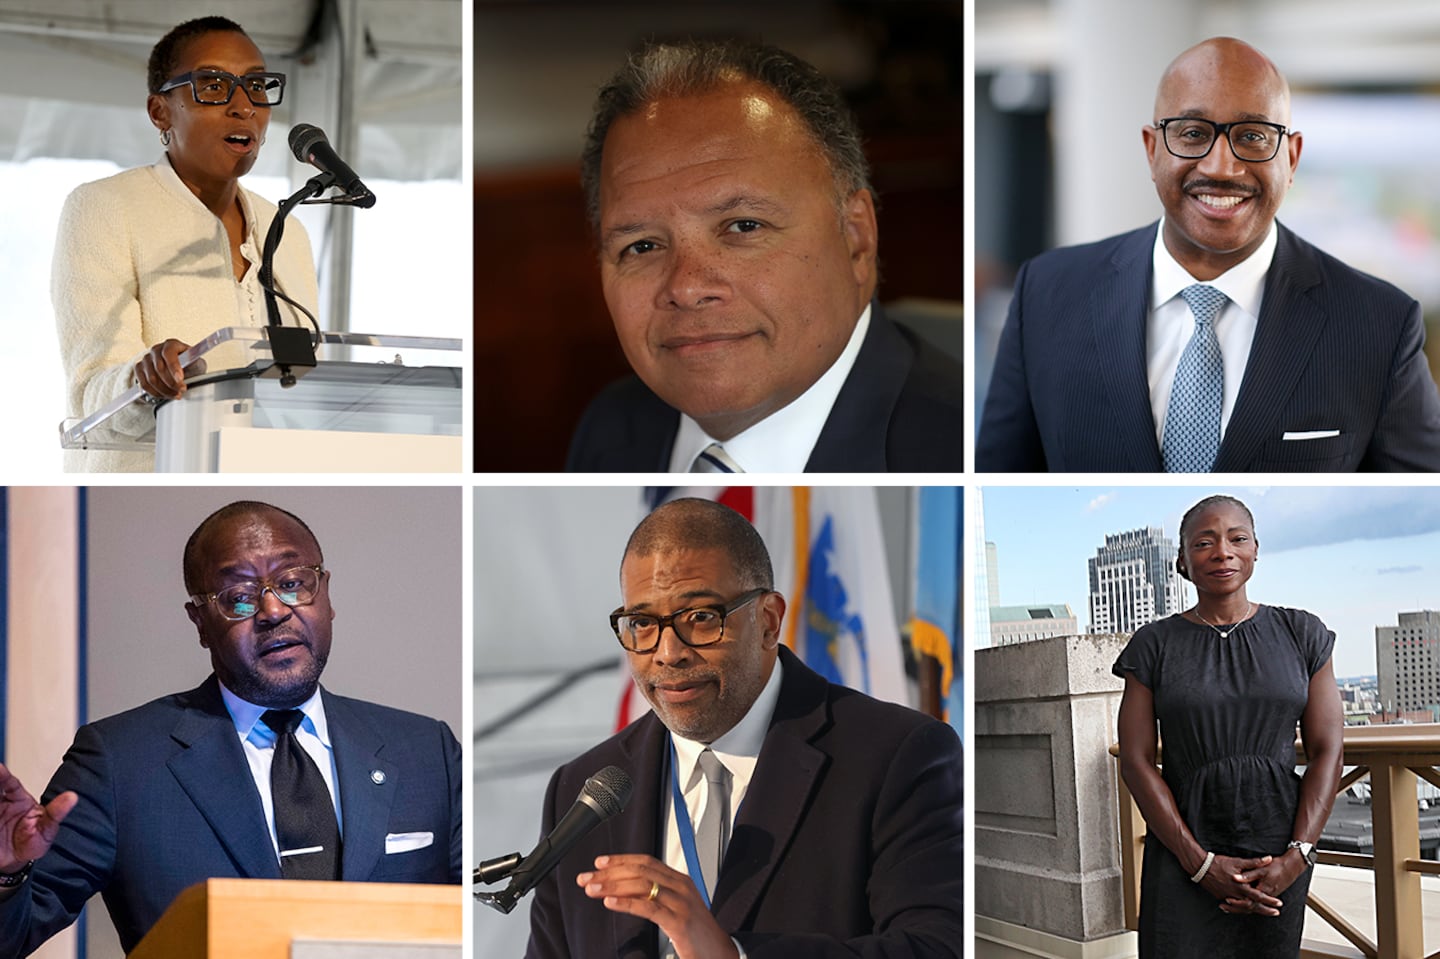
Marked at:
<point>364,802</point>
<point>213,772</point>
<point>1291,321</point>
<point>1118,308</point>
<point>853,437</point>
<point>785,779</point>
<point>639,828</point>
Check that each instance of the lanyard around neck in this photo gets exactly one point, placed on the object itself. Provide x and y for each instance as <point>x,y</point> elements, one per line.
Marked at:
<point>687,831</point>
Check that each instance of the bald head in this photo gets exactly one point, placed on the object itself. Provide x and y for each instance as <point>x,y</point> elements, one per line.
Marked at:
<point>1221,59</point>
<point>702,524</point>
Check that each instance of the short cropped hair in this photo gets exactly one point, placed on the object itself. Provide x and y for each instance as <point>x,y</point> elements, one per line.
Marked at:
<point>1220,498</point>
<point>661,70</point>
<point>705,524</point>
<point>191,561</point>
<point>165,57</point>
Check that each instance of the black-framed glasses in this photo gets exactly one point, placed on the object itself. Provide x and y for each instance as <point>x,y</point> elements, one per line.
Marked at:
<point>1191,138</point>
<point>216,87</point>
<point>293,587</point>
<point>694,625</point>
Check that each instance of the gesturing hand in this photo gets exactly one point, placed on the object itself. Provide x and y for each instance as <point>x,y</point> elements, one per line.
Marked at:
<point>27,828</point>
<point>1225,881</point>
<point>645,887</point>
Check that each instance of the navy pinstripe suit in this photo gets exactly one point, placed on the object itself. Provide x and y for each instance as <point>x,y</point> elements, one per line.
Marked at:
<point>1334,349</point>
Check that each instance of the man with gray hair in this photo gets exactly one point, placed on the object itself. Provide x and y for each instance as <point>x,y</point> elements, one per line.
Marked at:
<point>738,254</point>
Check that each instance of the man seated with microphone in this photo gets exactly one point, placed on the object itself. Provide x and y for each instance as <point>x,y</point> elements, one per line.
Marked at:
<point>773,813</point>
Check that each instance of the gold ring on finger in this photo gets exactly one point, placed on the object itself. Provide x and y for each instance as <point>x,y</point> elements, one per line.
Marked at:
<point>654,891</point>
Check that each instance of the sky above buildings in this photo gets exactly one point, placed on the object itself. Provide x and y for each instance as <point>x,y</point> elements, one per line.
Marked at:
<point>1355,556</point>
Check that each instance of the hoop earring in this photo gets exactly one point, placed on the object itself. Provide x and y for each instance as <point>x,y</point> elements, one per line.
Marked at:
<point>165,137</point>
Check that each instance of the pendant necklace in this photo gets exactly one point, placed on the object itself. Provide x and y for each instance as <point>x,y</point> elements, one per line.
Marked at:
<point>1225,633</point>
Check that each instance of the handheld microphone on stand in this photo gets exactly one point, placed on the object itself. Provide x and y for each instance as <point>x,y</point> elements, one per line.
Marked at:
<point>603,795</point>
<point>310,145</point>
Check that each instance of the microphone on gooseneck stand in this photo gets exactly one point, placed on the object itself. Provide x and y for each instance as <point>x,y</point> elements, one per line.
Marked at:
<point>310,145</point>
<point>603,795</point>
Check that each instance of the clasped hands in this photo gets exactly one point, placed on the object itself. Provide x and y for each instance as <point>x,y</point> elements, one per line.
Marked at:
<point>645,887</point>
<point>1252,886</point>
<point>27,828</point>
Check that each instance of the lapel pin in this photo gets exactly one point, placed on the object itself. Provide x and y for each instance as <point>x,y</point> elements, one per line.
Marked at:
<point>377,777</point>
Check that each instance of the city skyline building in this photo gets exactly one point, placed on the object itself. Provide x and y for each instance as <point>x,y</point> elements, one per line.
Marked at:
<point>1133,581</point>
<point>1024,624</point>
<point>1407,656</point>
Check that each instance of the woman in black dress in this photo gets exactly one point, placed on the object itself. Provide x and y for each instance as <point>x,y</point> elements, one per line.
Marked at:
<point>1231,826</point>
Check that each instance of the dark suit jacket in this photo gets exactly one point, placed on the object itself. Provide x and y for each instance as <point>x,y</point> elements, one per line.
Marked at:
<point>900,410</point>
<point>1334,349</point>
<point>849,841</point>
<point>167,800</point>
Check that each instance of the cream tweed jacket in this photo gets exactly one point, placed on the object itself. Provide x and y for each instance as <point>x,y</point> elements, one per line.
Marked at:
<point>139,259</point>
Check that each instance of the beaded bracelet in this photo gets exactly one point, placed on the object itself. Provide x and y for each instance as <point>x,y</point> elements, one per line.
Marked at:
<point>1209,858</point>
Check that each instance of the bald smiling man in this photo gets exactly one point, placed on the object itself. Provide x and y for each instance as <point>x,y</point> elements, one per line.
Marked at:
<point>1215,340</point>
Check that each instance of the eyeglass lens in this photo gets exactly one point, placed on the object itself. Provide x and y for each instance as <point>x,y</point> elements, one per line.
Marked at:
<point>696,627</point>
<point>1256,142</point>
<point>215,87</point>
<point>294,587</point>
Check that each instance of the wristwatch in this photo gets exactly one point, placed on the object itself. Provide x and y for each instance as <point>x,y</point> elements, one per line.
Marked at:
<point>9,879</point>
<point>1307,850</point>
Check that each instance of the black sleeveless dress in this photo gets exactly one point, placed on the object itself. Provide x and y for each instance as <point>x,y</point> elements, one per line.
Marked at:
<point>1228,710</point>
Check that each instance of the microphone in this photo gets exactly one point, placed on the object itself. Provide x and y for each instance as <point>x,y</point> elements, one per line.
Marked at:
<point>310,145</point>
<point>603,795</point>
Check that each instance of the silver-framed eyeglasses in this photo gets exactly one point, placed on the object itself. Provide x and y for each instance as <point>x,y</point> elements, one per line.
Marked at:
<point>216,87</point>
<point>1191,138</point>
<point>293,587</point>
<point>694,626</point>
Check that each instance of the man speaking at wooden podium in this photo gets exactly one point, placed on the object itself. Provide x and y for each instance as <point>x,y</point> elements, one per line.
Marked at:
<point>257,773</point>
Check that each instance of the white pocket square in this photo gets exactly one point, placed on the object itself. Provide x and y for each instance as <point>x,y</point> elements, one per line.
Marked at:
<point>1310,435</point>
<point>407,841</point>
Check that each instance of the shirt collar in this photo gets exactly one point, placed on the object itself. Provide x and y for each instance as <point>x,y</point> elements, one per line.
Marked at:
<point>742,741</point>
<point>246,717</point>
<point>1243,283</point>
<point>782,441</point>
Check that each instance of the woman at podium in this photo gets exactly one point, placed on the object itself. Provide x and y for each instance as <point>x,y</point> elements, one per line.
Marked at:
<point>151,260</point>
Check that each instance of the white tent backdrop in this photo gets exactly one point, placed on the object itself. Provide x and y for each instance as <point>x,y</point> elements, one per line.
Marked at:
<point>382,78</point>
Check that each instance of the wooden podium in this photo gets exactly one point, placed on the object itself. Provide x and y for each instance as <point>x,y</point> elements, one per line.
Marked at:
<point>260,918</point>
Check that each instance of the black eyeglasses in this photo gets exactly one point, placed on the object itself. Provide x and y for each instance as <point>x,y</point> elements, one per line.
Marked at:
<point>694,626</point>
<point>293,587</point>
<point>216,87</point>
<point>1191,138</point>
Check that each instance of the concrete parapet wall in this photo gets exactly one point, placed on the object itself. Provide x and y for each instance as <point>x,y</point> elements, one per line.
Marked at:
<point>1046,833</point>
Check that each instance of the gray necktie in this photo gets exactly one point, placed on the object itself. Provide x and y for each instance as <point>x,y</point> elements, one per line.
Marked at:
<point>714,459</point>
<point>713,831</point>
<point>1192,420</point>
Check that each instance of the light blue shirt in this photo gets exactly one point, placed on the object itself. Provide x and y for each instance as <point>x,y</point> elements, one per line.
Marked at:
<point>258,742</point>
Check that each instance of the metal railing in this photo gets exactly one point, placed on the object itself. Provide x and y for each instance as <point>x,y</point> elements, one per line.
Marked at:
<point>1392,757</point>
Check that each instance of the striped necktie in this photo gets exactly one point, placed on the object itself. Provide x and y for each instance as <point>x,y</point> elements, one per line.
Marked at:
<point>1192,421</point>
<point>714,459</point>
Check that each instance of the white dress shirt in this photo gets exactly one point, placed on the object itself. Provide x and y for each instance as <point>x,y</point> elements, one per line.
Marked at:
<point>1171,323</point>
<point>738,750</point>
<point>782,441</point>
<point>258,741</point>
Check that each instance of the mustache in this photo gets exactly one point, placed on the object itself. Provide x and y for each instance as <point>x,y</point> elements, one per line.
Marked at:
<point>1201,184</point>
<point>698,674</point>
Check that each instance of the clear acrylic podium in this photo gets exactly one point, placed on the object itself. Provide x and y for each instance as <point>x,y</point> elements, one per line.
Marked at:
<point>365,407</point>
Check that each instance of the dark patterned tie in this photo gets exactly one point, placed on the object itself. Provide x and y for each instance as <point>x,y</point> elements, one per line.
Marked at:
<point>1192,422</point>
<point>305,823</point>
<point>714,459</point>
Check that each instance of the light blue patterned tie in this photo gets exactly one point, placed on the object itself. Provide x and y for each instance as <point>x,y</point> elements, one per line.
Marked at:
<point>1192,422</point>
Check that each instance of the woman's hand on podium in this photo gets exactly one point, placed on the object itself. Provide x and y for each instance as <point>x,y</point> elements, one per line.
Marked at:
<point>159,373</point>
